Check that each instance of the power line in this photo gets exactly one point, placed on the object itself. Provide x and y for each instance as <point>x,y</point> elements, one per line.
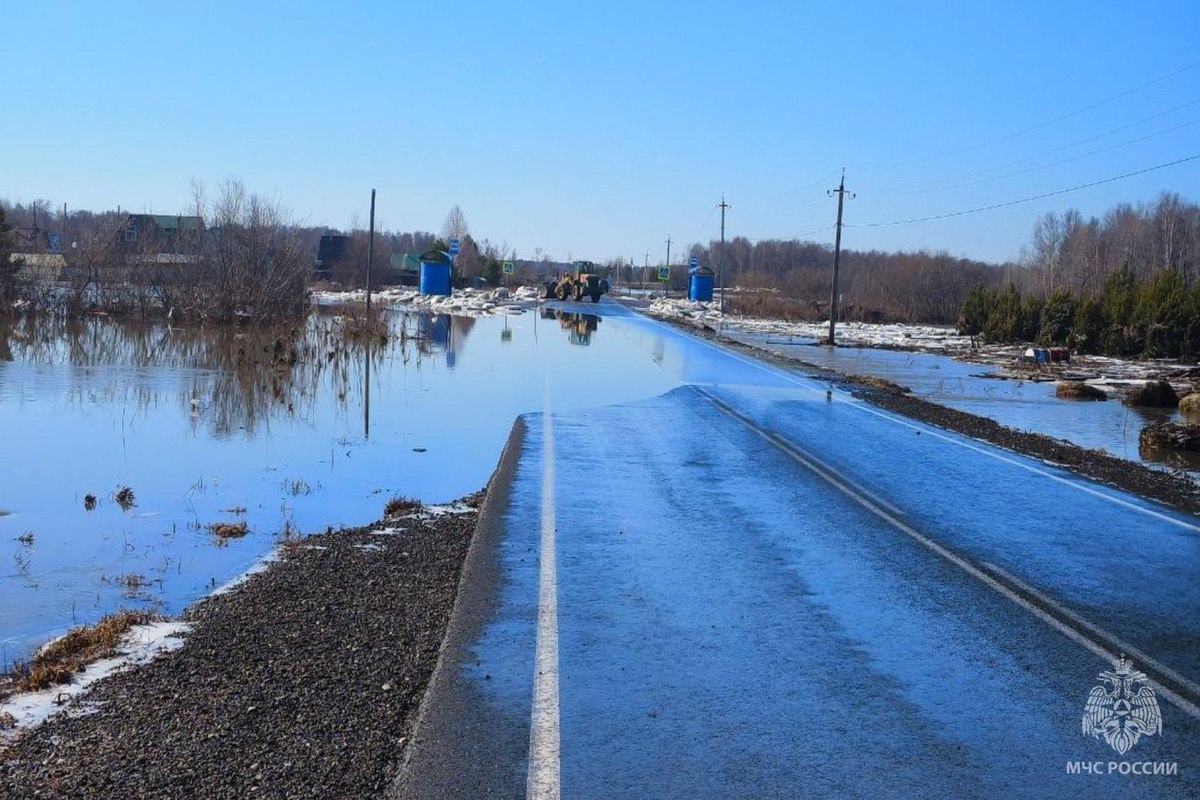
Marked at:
<point>965,180</point>
<point>1025,199</point>
<point>1069,159</point>
<point>1053,121</point>
<point>1109,132</point>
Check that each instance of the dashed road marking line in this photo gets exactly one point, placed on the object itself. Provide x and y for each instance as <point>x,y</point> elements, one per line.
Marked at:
<point>1166,681</point>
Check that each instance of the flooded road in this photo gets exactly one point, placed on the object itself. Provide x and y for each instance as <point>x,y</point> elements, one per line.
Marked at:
<point>283,431</point>
<point>1023,405</point>
<point>758,589</point>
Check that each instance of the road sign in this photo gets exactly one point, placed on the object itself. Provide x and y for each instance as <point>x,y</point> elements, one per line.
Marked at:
<point>453,247</point>
<point>508,268</point>
<point>664,273</point>
<point>694,262</point>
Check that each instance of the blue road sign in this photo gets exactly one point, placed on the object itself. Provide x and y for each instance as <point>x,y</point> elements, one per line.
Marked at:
<point>454,247</point>
<point>664,273</point>
<point>694,262</point>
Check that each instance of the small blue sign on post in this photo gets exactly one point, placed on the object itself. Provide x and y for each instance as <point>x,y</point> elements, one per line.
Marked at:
<point>453,247</point>
<point>664,273</point>
<point>508,267</point>
<point>694,262</point>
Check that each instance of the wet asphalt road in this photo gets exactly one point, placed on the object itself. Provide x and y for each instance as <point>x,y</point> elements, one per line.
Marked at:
<point>745,589</point>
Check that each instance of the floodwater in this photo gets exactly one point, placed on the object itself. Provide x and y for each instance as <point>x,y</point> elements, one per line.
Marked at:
<point>1023,405</point>
<point>296,431</point>
<point>285,431</point>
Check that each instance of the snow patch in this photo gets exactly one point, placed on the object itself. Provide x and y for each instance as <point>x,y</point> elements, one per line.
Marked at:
<point>142,644</point>
<point>259,566</point>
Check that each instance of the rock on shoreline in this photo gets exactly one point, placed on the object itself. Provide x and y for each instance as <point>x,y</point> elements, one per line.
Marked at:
<point>301,682</point>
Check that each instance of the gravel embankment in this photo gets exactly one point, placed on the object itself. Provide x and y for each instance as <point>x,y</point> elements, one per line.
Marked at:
<point>300,683</point>
<point>1174,490</point>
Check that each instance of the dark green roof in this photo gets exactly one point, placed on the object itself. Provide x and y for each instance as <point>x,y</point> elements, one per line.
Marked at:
<point>170,222</point>
<point>405,261</point>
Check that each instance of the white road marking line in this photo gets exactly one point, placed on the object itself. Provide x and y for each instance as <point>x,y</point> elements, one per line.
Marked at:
<point>545,755</point>
<point>983,448</point>
<point>1146,663</point>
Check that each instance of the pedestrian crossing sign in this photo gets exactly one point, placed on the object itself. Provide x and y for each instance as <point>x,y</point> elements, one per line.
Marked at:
<point>664,273</point>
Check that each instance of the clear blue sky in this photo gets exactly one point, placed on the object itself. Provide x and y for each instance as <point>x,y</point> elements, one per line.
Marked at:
<point>594,130</point>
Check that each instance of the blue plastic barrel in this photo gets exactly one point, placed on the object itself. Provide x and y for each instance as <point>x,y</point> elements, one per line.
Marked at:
<point>434,277</point>
<point>700,288</point>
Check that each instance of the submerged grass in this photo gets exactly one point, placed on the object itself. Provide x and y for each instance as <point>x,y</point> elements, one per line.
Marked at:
<point>229,530</point>
<point>59,661</point>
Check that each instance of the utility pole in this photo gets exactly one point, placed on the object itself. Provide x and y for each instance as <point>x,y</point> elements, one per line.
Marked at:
<point>837,253</point>
<point>666,285</point>
<point>721,257</point>
<point>370,255</point>
<point>645,267</point>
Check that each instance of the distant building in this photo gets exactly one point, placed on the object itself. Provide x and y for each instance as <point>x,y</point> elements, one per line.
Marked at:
<point>32,240</point>
<point>405,270</point>
<point>41,267</point>
<point>162,233</point>
<point>332,249</point>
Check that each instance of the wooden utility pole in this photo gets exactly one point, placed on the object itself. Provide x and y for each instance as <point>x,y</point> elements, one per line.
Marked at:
<point>721,258</point>
<point>370,255</point>
<point>837,254</point>
<point>666,284</point>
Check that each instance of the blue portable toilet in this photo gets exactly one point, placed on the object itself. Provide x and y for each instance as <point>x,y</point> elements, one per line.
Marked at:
<point>700,287</point>
<point>435,272</point>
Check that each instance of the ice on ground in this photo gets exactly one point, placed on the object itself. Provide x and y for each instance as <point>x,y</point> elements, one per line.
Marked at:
<point>258,566</point>
<point>387,531</point>
<point>369,547</point>
<point>463,302</point>
<point>452,508</point>
<point>933,338</point>
<point>142,644</point>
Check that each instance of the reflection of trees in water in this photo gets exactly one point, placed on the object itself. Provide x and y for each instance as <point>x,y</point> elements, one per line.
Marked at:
<point>229,378</point>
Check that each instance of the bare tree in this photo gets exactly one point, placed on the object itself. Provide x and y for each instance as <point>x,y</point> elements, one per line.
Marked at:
<point>455,226</point>
<point>255,268</point>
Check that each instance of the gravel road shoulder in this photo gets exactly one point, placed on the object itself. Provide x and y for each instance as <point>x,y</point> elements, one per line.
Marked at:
<point>302,682</point>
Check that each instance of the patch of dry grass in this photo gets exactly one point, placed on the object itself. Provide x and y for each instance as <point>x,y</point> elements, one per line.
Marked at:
<point>58,661</point>
<point>400,505</point>
<point>357,325</point>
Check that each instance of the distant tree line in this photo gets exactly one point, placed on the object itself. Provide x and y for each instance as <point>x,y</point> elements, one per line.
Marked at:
<point>794,280</point>
<point>1124,284</point>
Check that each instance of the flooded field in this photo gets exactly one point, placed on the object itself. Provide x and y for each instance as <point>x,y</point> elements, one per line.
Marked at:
<point>134,454</point>
<point>1024,405</point>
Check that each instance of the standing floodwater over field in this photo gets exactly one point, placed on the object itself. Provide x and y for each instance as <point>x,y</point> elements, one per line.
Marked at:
<point>126,444</point>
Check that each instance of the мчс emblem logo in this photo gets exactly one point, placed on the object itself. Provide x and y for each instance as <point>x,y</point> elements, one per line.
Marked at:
<point>1123,708</point>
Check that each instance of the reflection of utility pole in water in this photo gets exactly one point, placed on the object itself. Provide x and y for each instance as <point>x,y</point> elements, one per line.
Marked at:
<point>367,392</point>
